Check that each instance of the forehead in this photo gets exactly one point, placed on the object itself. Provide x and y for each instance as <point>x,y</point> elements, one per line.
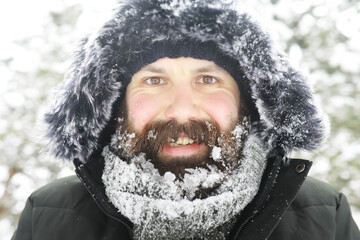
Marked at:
<point>166,65</point>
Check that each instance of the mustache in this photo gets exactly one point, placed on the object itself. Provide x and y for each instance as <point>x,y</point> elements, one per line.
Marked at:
<point>156,134</point>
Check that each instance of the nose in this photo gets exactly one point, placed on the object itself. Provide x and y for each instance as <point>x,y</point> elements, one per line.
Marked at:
<point>183,104</point>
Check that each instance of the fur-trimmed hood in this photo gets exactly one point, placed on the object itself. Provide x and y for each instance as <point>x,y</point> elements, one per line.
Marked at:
<point>83,115</point>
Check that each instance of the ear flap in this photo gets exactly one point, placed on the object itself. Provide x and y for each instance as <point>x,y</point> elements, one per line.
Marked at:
<point>289,118</point>
<point>83,105</point>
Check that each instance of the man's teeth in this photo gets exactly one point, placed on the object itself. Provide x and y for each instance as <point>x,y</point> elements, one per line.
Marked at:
<point>180,141</point>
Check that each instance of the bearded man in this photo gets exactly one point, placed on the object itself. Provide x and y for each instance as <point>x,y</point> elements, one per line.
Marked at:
<point>179,117</point>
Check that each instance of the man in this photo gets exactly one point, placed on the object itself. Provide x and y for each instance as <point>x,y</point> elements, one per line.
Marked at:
<point>179,117</point>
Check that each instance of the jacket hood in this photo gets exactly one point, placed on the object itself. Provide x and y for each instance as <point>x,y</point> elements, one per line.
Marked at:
<point>83,115</point>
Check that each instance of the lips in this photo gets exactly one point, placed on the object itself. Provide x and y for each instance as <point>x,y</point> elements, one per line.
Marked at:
<point>183,150</point>
<point>182,146</point>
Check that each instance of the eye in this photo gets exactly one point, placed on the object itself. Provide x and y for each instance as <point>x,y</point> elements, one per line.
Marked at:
<point>154,81</point>
<point>207,80</point>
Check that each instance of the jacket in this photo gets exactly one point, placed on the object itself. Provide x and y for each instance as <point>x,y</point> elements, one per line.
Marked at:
<point>283,209</point>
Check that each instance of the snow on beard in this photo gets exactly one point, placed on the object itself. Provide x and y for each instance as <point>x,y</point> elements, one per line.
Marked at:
<point>223,149</point>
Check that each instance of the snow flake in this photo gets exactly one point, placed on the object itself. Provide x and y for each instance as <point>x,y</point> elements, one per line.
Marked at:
<point>152,135</point>
<point>216,153</point>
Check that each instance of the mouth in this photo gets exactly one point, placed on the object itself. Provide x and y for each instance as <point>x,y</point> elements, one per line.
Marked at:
<point>183,146</point>
<point>181,141</point>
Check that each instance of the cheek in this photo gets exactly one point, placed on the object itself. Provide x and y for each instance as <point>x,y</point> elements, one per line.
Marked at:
<point>142,109</point>
<point>222,108</point>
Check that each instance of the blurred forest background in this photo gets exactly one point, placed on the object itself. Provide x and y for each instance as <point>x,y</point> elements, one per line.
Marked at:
<point>321,37</point>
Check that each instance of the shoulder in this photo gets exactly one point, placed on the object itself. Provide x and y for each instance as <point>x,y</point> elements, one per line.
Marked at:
<point>316,193</point>
<point>65,192</point>
<point>62,185</point>
<point>319,211</point>
<point>65,196</point>
<point>65,203</point>
<point>64,209</point>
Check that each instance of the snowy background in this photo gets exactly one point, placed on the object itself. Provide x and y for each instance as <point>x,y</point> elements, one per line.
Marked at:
<point>321,37</point>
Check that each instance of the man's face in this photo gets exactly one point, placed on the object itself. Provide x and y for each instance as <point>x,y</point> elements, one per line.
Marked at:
<point>181,91</point>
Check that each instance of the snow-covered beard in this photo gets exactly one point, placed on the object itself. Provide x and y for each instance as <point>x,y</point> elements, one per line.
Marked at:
<point>156,204</point>
<point>127,143</point>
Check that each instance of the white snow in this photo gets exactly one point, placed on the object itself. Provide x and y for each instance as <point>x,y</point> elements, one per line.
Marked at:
<point>152,134</point>
<point>216,153</point>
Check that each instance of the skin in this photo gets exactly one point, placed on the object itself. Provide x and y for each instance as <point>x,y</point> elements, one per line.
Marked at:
<point>182,89</point>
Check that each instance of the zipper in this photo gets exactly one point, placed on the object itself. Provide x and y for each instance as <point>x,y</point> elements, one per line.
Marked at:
<point>274,171</point>
<point>243,224</point>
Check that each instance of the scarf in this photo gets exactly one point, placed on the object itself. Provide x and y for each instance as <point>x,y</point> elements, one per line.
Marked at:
<point>158,207</point>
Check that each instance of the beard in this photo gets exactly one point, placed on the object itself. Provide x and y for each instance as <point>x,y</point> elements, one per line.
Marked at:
<point>219,149</point>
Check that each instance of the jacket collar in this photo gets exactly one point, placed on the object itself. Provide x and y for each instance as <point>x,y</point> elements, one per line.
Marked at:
<point>281,181</point>
<point>90,175</point>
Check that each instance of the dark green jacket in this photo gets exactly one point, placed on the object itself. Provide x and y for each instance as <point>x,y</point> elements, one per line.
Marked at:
<point>66,210</point>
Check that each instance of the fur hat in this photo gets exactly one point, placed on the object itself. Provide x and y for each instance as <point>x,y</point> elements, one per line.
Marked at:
<point>83,115</point>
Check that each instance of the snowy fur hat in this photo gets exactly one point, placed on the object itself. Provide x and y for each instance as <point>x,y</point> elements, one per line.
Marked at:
<point>83,115</point>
